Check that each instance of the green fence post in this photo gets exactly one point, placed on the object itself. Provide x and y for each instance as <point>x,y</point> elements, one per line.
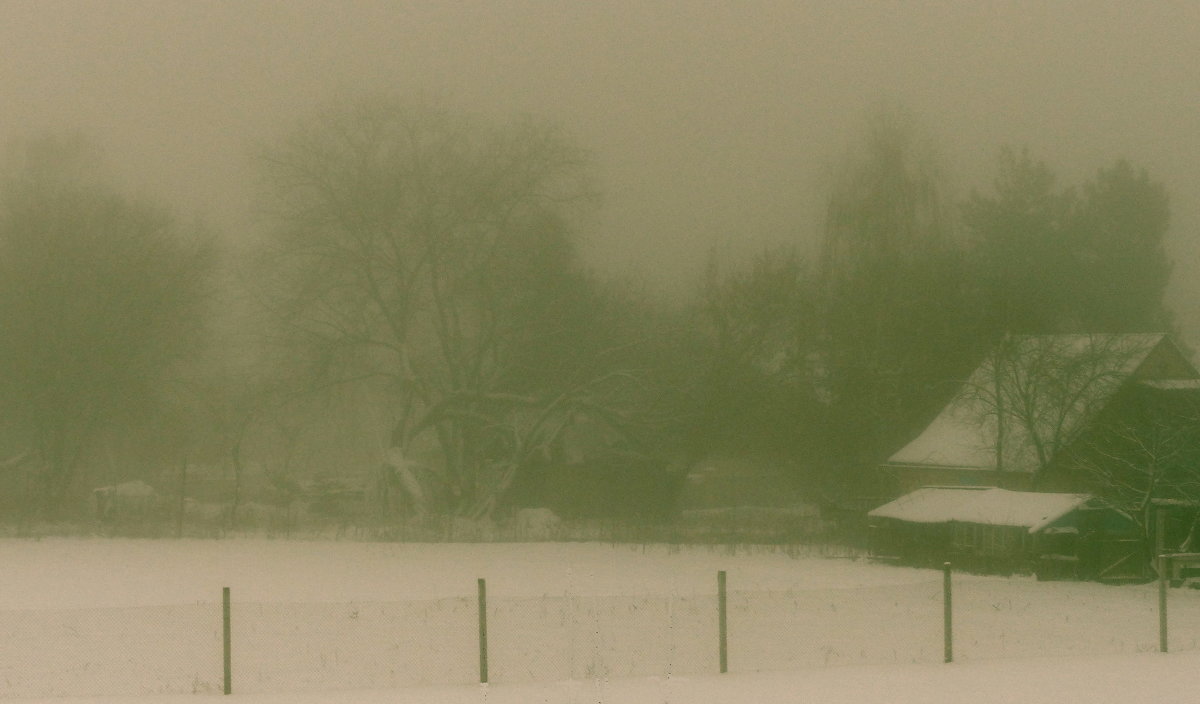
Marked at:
<point>228,641</point>
<point>722,622</point>
<point>1163,569</point>
<point>483,656</point>
<point>947,613</point>
<point>1160,541</point>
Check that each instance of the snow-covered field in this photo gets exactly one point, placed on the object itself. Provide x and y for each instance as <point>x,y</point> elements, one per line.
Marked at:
<point>1102,680</point>
<point>322,622</point>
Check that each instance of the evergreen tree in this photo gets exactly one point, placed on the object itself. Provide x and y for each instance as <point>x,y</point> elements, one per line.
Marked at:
<point>1049,260</point>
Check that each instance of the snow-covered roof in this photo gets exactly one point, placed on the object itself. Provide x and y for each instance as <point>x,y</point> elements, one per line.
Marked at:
<point>1173,384</point>
<point>995,507</point>
<point>1045,369</point>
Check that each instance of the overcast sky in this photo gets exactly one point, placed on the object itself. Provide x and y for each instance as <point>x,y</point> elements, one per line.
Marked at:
<point>711,123</point>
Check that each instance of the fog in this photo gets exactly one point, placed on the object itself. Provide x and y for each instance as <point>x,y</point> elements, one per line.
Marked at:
<point>711,124</point>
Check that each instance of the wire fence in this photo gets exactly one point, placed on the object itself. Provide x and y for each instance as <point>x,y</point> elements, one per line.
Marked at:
<point>282,647</point>
<point>111,651</point>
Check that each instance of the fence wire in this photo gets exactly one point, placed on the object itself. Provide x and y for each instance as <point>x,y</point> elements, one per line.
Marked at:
<point>590,637</point>
<point>823,627</point>
<point>280,647</point>
<point>998,618</point>
<point>111,651</point>
<point>283,647</point>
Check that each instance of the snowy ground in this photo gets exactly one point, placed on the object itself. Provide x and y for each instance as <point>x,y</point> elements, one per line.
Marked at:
<point>324,622</point>
<point>1103,680</point>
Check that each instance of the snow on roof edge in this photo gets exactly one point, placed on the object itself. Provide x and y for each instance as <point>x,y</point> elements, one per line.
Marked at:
<point>987,506</point>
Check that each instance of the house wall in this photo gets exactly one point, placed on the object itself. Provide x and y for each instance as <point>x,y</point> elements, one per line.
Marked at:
<point>1134,408</point>
<point>990,548</point>
<point>910,543</point>
<point>970,546</point>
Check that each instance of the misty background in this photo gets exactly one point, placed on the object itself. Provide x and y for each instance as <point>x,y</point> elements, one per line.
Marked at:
<point>710,124</point>
<point>771,251</point>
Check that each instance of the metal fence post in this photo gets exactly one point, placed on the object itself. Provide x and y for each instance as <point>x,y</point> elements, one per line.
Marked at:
<point>227,640</point>
<point>1163,568</point>
<point>483,657</point>
<point>722,622</point>
<point>1160,541</point>
<point>947,613</point>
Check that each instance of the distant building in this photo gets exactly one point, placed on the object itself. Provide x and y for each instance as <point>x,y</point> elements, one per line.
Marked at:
<point>131,501</point>
<point>746,497</point>
<point>1040,460</point>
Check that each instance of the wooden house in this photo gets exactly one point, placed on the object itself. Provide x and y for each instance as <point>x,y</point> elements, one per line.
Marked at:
<point>1031,400</point>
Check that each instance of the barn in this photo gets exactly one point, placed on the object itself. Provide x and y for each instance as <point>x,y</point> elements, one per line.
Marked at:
<point>989,529</point>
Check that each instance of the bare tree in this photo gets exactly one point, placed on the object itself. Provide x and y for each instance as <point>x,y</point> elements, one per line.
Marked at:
<point>757,382</point>
<point>419,251</point>
<point>1040,393</point>
<point>1146,449</point>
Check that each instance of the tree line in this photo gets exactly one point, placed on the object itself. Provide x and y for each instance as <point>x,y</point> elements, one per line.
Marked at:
<point>416,310</point>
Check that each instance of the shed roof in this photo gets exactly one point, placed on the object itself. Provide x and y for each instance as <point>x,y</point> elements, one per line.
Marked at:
<point>997,507</point>
<point>1088,369</point>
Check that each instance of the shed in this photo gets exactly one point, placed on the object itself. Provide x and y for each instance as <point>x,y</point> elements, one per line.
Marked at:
<point>129,501</point>
<point>998,530</point>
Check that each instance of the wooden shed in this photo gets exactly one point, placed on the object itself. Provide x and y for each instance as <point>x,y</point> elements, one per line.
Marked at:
<point>987,529</point>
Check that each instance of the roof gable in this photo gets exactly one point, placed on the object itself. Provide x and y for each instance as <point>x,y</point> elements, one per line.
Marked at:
<point>1166,362</point>
<point>1048,387</point>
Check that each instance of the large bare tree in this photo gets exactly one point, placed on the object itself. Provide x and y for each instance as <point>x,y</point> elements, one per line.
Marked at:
<point>421,251</point>
<point>1042,393</point>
